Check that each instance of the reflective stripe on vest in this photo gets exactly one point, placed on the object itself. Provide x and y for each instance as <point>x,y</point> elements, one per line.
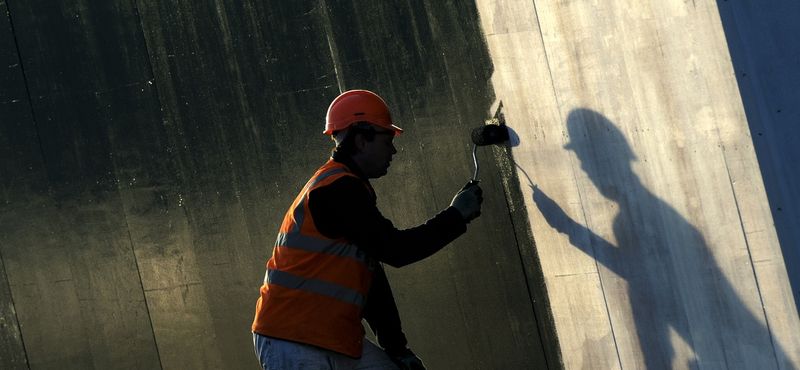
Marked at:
<point>317,245</point>
<point>312,285</point>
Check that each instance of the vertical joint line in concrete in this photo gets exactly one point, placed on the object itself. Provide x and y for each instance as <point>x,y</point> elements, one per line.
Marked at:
<point>138,16</point>
<point>337,64</point>
<point>747,245</point>
<point>141,282</point>
<point>544,49</point>
<point>27,90</point>
<point>596,264</point>
<point>511,196</point>
<point>14,310</point>
<point>41,150</point>
<point>144,292</point>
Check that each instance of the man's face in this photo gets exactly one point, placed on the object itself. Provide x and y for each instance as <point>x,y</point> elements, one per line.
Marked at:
<point>377,154</point>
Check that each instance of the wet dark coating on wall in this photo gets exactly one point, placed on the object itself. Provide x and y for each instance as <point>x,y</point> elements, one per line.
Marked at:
<point>149,150</point>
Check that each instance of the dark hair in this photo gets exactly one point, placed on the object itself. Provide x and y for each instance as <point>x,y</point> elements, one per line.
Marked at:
<point>348,146</point>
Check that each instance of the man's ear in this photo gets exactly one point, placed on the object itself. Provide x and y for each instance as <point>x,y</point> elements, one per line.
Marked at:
<point>359,142</point>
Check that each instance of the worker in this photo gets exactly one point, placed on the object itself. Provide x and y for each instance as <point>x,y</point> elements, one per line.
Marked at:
<point>326,272</point>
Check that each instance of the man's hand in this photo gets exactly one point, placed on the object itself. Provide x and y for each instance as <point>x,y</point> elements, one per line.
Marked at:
<point>468,201</point>
<point>407,360</point>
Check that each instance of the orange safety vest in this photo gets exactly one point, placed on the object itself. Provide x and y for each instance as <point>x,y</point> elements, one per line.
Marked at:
<point>315,286</point>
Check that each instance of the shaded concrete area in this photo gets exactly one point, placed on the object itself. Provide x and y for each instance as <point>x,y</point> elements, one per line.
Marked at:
<point>766,55</point>
<point>150,149</point>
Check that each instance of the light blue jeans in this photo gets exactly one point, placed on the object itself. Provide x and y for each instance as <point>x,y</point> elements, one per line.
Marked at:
<point>278,354</point>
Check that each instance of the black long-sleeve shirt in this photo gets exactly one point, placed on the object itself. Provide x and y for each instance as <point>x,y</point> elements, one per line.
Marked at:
<point>345,208</point>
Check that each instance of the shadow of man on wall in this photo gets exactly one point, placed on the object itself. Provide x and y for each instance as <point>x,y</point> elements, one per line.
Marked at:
<point>663,264</point>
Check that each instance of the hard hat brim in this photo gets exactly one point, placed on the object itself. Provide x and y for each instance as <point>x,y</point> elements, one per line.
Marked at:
<point>397,130</point>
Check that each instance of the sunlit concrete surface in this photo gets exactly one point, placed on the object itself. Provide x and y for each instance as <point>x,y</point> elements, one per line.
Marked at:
<point>642,185</point>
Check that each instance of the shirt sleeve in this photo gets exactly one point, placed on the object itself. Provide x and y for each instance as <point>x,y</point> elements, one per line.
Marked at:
<point>345,208</point>
<point>381,314</point>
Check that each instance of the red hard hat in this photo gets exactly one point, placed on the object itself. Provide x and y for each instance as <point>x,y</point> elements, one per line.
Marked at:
<point>356,106</point>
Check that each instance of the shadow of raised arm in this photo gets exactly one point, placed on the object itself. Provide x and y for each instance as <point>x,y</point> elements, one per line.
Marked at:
<point>559,220</point>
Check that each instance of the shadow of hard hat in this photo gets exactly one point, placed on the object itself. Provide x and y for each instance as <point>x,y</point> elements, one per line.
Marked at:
<point>592,135</point>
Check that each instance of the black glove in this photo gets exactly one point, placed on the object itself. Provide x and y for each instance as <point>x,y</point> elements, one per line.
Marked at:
<point>406,359</point>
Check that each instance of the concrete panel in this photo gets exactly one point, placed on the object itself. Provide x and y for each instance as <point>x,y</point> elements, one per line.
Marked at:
<point>643,189</point>
<point>229,134</point>
<point>68,256</point>
<point>14,113</point>
<point>765,61</point>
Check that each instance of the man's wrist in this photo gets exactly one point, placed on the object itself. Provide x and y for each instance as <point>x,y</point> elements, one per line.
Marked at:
<point>405,359</point>
<point>398,352</point>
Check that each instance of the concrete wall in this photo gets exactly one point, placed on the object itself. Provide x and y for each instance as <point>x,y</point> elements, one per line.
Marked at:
<point>640,178</point>
<point>766,56</point>
<point>149,150</point>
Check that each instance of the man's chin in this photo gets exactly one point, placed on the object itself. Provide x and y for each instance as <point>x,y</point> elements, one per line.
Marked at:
<point>382,172</point>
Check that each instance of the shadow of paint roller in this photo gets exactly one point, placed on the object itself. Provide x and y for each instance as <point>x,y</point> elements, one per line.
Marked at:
<point>493,132</point>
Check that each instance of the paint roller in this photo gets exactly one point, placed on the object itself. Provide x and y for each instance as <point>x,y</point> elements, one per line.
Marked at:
<point>493,132</point>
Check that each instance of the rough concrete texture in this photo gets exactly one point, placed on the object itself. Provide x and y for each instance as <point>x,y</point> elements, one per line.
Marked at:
<point>149,150</point>
<point>641,183</point>
<point>765,61</point>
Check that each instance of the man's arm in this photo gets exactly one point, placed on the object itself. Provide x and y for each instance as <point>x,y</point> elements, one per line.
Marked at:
<point>346,209</point>
<point>381,314</point>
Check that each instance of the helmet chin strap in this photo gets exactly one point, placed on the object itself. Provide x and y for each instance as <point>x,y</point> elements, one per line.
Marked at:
<point>342,135</point>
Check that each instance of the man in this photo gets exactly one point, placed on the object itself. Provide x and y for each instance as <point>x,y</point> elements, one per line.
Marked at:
<point>325,274</point>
